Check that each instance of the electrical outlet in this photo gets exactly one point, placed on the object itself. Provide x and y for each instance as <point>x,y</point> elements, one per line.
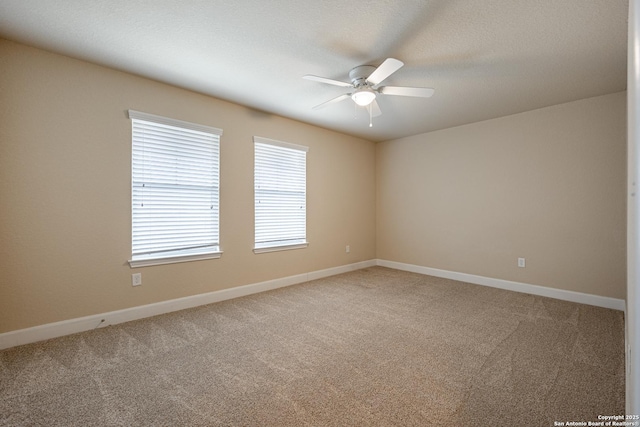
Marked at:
<point>347,249</point>
<point>521,262</point>
<point>136,279</point>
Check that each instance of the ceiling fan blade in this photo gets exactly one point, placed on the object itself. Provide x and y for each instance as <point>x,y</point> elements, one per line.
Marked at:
<point>326,80</point>
<point>388,67</point>
<point>331,101</point>
<point>422,92</point>
<point>375,109</point>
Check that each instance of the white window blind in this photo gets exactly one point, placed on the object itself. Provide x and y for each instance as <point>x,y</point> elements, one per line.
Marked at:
<point>175,190</point>
<point>280,195</point>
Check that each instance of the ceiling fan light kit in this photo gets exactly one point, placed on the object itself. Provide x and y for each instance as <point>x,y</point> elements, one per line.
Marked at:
<point>365,80</point>
<point>363,96</point>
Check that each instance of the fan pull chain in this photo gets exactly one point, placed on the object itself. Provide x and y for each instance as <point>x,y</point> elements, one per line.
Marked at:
<point>370,116</point>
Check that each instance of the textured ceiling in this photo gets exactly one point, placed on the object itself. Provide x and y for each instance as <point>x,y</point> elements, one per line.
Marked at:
<point>485,59</point>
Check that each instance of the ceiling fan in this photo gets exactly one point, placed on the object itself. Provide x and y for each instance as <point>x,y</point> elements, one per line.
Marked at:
<point>365,80</point>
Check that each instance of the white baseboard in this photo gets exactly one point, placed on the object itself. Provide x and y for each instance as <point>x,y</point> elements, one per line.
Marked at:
<point>81,324</point>
<point>579,297</point>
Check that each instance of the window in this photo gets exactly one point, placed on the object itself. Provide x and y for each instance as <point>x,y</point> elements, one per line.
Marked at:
<point>175,190</point>
<point>280,195</point>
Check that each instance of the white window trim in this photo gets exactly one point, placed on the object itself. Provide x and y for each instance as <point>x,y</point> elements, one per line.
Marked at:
<point>280,143</point>
<point>133,114</point>
<point>188,255</point>
<point>142,262</point>
<point>282,247</point>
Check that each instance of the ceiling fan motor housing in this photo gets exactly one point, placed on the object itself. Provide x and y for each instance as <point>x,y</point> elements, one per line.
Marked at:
<point>359,75</point>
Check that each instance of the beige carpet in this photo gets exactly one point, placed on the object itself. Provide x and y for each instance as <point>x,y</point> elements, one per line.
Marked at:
<point>376,347</point>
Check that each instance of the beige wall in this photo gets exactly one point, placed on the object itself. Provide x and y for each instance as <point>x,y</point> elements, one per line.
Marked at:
<point>547,185</point>
<point>65,148</point>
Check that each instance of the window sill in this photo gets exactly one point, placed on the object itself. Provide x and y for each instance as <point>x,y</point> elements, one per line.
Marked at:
<point>278,248</point>
<point>149,261</point>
